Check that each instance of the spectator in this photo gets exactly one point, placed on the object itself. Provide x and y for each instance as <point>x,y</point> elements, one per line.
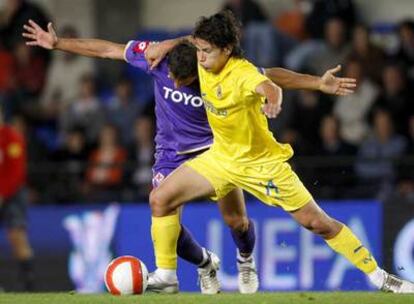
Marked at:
<point>324,10</point>
<point>286,117</point>
<point>335,48</point>
<point>36,150</point>
<point>63,78</point>
<point>85,112</point>
<point>309,108</point>
<point>263,43</point>
<point>7,70</point>
<point>292,22</point>
<point>290,136</point>
<point>28,81</point>
<point>375,164</point>
<point>319,55</point>
<point>411,135</point>
<point>141,155</point>
<point>336,173</point>
<point>69,171</point>
<point>396,97</point>
<point>406,178</point>
<point>14,16</point>
<point>371,57</point>
<point>123,110</point>
<point>331,144</point>
<point>37,153</point>
<point>105,172</point>
<point>352,110</point>
<point>246,11</point>
<point>405,53</point>
<point>31,70</point>
<point>13,202</point>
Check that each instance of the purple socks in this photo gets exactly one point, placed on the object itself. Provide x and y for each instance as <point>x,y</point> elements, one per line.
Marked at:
<point>191,251</point>
<point>245,240</point>
<point>188,248</point>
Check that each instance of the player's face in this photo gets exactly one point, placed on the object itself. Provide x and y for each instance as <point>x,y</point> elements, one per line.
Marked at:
<point>210,57</point>
<point>178,83</point>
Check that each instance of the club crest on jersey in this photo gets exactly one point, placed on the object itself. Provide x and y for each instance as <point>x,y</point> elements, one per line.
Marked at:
<point>219,92</point>
<point>158,179</point>
<point>140,47</point>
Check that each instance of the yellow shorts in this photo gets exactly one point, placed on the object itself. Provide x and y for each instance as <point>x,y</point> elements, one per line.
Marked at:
<point>274,183</point>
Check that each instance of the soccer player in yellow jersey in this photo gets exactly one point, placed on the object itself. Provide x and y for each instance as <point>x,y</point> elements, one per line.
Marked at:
<point>232,207</point>
<point>244,155</point>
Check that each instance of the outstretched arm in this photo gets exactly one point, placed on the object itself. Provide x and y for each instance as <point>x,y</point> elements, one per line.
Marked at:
<point>328,83</point>
<point>273,95</point>
<point>86,47</point>
<point>156,52</point>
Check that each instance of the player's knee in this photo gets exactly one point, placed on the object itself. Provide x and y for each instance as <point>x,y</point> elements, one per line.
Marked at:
<point>158,203</point>
<point>237,223</point>
<point>320,226</point>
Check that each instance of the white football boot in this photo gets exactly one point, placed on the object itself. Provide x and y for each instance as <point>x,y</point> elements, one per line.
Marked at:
<point>159,285</point>
<point>247,279</point>
<point>207,275</point>
<point>395,284</point>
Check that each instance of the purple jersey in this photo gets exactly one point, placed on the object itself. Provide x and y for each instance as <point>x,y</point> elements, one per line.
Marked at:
<point>181,121</point>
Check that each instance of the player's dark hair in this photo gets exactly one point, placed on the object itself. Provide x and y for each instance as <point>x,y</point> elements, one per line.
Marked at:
<point>182,60</point>
<point>222,30</point>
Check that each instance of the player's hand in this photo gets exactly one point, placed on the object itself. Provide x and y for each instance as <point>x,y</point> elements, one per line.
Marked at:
<point>38,37</point>
<point>273,95</point>
<point>155,53</point>
<point>330,84</point>
<point>272,110</point>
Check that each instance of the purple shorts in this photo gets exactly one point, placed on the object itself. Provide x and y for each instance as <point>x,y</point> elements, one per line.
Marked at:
<point>166,161</point>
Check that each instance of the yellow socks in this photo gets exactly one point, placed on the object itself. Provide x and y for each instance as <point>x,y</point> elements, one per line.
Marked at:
<point>165,232</point>
<point>349,246</point>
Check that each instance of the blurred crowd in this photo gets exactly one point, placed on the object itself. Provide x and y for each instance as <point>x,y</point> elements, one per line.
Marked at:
<point>90,142</point>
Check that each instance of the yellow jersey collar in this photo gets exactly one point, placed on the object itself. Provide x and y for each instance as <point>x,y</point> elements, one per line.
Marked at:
<point>231,64</point>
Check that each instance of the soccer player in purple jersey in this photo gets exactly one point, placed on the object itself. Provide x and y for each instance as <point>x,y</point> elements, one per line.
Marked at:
<point>183,132</point>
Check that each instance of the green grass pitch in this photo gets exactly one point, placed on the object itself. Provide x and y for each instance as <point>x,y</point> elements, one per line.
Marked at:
<point>195,298</point>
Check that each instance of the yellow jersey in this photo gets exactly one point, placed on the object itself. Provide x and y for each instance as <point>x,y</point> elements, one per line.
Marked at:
<point>235,115</point>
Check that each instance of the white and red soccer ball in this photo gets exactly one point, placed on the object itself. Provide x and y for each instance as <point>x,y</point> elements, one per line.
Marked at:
<point>126,275</point>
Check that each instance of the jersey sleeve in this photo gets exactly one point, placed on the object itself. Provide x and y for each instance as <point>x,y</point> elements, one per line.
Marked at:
<point>134,54</point>
<point>249,78</point>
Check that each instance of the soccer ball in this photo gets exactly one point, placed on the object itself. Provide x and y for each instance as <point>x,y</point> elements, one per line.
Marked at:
<point>126,275</point>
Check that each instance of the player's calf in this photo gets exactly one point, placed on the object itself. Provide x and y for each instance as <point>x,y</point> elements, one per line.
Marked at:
<point>160,204</point>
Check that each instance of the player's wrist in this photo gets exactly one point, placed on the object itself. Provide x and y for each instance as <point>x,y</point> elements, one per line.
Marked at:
<point>319,84</point>
<point>56,43</point>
